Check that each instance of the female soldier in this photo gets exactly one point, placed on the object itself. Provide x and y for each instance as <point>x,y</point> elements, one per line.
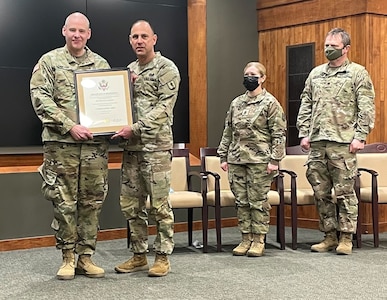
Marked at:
<point>251,147</point>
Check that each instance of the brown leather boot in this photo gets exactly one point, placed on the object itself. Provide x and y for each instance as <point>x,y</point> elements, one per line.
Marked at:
<point>161,267</point>
<point>244,245</point>
<point>329,243</point>
<point>85,266</point>
<point>345,244</point>
<point>67,269</point>
<point>257,246</point>
<point>137,263</point>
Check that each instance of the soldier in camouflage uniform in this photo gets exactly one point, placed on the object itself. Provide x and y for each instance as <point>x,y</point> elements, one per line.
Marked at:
<point>337,113</point>
<point>252,145</point>
<point>75,165</point>
<point>147,157</point>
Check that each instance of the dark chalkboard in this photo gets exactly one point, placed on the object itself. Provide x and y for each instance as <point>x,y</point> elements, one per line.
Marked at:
<point>29,29</point>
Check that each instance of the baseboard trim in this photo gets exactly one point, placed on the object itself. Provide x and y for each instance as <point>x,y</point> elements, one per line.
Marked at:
<point>120,233</point>
<point>103,235</point>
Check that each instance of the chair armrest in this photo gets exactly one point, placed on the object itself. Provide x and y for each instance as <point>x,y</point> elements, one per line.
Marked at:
<point>374,183</point>
<point>204,175</point>
<point>372,172</point>
<point>357,185</point>
<point>279,181</point>
<point>291,173</point>
<point>293,184</point>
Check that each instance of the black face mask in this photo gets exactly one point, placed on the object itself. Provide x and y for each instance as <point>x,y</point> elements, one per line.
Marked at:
<point>250,82</point>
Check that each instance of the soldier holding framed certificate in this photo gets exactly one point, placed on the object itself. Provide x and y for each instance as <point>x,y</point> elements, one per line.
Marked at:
<point>147,156</point>
<point>75,163</point>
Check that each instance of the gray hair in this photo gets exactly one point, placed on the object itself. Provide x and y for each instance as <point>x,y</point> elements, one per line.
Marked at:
<point>345,38</point>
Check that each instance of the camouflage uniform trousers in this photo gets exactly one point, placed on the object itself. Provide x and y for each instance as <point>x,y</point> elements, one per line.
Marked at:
<point>148,174</point>
<point>250,184</point>
<point>75,179</point>
<point>331,165</point>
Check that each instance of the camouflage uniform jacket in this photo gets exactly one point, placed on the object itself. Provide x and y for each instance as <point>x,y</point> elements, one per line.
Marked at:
<point>337,104</point>
<point>154,96</point>
<point>53,92</point>
<point>255,131</point>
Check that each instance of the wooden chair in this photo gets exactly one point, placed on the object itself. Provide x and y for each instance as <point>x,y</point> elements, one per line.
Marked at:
<point>297,189</point>
<point>216,193</point>
<point>182,195</point>
<point>371,184</point>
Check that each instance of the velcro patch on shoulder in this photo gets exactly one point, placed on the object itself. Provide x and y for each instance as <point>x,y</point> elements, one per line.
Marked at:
<point>37,66</point>
<point>171,85</point>
<point>169,79</point>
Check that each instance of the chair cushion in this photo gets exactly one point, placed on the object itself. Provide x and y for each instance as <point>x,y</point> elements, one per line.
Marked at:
<point>273,198</point>
<point>304,197</point>
<point>179,174</point>
<point>366,194</point>
<point>226,198</point>
<point>373,161</point>
<point>295,163</point>
<point>185,199</point>
<point>213,165</point>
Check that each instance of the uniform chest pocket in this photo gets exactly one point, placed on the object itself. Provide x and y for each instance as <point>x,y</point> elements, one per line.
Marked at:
<point>63,75</point>
<point>340,86</point>
<point>64,79</point>
<point>145,85</point>
<point>258,117</point>
<point>344,82</point>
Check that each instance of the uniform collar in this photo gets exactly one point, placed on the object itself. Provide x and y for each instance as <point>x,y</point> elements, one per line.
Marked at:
<point>257,98</point>
<point>150,64</point>
<point>70,58</point>
<point>333,70</point>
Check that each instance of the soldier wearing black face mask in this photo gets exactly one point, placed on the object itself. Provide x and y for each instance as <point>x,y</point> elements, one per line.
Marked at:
<point>252,145</point>
<point>250,82</point>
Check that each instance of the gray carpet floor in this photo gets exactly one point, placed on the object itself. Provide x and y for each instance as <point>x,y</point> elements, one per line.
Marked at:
<point>279,274</point>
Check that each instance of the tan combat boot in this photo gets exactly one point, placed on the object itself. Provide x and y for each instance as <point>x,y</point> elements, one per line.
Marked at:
<point>257,246</point>
<point>85,266</point>
<point>329,243</point>
<point>244,246</point>
<point>137,263</point>
<point>67,269</point>
<point>161,267</point>
<point>345,244</point>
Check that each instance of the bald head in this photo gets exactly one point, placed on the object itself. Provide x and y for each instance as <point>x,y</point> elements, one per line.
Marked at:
<point>142,23</point>
<point>77,16</point>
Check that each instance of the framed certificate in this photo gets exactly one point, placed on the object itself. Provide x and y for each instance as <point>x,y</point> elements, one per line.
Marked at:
<point>104,100</point>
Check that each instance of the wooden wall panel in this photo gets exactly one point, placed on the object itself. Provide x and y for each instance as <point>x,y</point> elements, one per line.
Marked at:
<point>272,3</point>
<point>197,70</point>
<point>278,15</point>
<point>376,45</point>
